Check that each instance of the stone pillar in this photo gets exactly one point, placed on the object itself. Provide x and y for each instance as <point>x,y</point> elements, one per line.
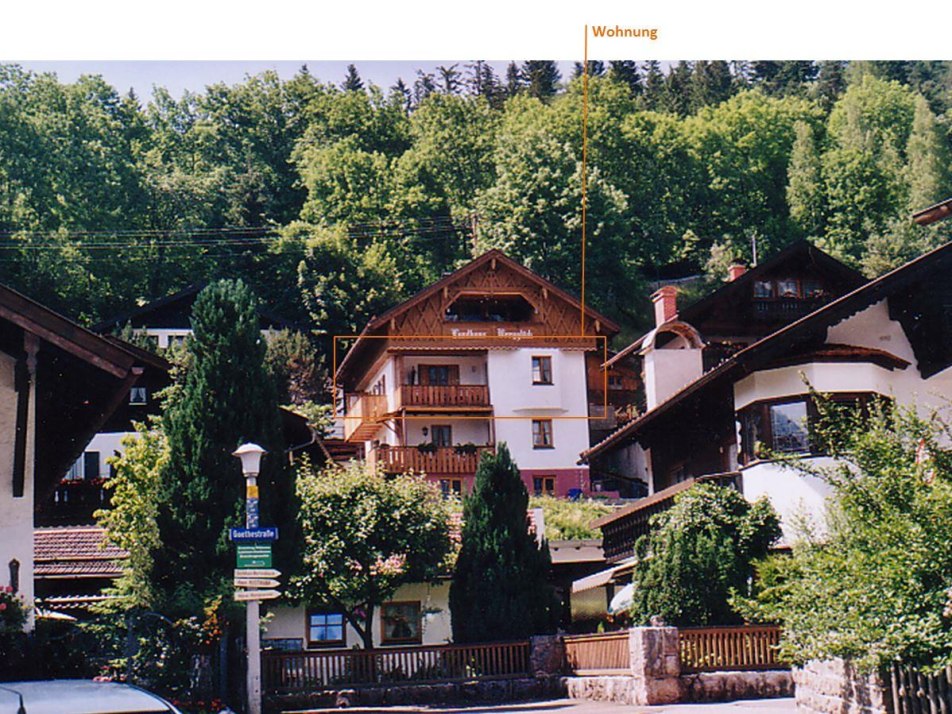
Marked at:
<point>546,655</point>
<point>655,665</point>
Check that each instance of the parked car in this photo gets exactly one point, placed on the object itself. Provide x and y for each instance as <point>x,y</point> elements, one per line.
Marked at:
<point>78,696</point>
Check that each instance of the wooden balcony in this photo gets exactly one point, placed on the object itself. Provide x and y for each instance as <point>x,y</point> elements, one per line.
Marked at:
<point>364,414</point>
<point>448,396</point>
<point>443,461</point>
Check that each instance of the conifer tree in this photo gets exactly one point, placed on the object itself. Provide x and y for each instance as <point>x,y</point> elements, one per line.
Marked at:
<point>500,589</point>
<point>677,89</point>
<point>831,82</point>
<point>541,77</point>
<point>626,71</point>
<point>225,398</point>
<point>352,82</point>
<point>654,84</point>
<point>515,82</point>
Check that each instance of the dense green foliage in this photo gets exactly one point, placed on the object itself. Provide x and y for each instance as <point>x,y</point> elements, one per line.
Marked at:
<point>872,581</point>
<point>308,188</point>
<point>201,488</point>
<point>570,520</point>
<point>700,552</point>
<point>365,535</point>
<point>500,589</point>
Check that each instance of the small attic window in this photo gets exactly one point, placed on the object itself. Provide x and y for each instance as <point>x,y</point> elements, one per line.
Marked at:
<point>484,308</point>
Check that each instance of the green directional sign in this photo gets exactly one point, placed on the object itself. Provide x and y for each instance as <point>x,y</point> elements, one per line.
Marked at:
<point>254,555</point>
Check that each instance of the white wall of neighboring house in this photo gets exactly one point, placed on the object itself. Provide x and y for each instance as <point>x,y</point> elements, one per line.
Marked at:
<point>16,513</point>
<point>565,401</point>
<point>291,622</point>
<point>669,369</point>
<point>107,445</point>
<point>796,495</point>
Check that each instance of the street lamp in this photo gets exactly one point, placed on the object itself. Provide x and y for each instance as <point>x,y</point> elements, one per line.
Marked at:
<point>250,455</point>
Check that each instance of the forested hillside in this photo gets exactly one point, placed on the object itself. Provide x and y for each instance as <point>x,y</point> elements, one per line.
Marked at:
<point>335,199</point>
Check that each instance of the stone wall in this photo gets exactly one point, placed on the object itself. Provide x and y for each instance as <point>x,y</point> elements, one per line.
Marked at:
<point>473,692</point>
<point>620,690</point>
<point>836,687</point>
<point>729,686</point>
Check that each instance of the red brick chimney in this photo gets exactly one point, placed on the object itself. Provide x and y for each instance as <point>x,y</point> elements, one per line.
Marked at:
<point>665,301</point>
<point>735,271</point>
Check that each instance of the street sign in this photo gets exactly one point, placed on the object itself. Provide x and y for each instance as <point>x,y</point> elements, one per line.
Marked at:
<point>243,535</point>
<point>245,595</point>
<point>257,555</point>
<point>256,583</point>
<point>258,573</point>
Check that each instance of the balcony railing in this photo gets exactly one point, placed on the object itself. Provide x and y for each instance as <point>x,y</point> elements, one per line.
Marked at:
<point>364,412</point>
<point>433,461</point>
<point>446,395</point>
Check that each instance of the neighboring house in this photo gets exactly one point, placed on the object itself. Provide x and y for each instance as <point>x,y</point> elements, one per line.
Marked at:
<point>59,384</point>
<point>491,353</point>
<point>166,321</point>
<point>890,337</point>
<point>73,565</point>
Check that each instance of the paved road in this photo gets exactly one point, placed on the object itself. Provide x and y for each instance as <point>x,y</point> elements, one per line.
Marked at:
<point>574,706</point>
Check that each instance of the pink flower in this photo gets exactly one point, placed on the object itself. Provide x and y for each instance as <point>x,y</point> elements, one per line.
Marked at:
<point>3,606</point>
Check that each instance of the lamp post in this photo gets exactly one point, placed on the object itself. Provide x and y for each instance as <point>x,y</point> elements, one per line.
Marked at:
<point>250,455</point>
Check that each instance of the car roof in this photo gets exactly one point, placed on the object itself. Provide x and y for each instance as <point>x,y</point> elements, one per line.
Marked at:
<point>78,696</point>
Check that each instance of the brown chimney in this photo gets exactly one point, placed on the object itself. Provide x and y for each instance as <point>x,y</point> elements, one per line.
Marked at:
<point>665,301</point>
<point>735,271</point>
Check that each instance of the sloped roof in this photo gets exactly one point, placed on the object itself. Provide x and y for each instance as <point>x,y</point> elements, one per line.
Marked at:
<point>75,552</point>
<point>495,254</point>
<point>779,344</point>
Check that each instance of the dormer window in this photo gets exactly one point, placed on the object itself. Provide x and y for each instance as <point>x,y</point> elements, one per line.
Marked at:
<point>490,308</point>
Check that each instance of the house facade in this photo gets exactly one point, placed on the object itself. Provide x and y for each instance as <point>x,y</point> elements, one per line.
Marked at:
<point>889,338</point>
<point>490,354</point>
<point>59,384</point>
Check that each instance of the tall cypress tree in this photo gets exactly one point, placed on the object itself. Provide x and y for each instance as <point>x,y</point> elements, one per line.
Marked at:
<point>500,589</point>
<point>225,398</point>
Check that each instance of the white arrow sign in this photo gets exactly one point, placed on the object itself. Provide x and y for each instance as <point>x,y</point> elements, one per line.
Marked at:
<point>258,573</point>
<point>255,583</point>
<point>245,595</point>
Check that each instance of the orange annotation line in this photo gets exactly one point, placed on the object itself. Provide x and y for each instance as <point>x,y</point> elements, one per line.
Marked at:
<point>512,338</point>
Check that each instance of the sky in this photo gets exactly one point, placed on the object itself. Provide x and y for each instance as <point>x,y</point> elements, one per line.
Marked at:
<point>179,76</point>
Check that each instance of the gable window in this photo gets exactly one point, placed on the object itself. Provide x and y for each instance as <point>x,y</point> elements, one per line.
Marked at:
<point>401,623</point>
<point>138,396</point>
<point>542,370</point>
<point>325,629</point>
<point>542,434</point>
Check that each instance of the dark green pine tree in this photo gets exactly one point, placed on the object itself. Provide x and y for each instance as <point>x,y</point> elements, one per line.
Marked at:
<point>596,68</point>
<point>515,82</point>
<point>677,89</point>
<point>830,82</point>
<point>711,83</point>
<point>352,82</point>
<point>541,77</point>
<point>626,71</point>
<point>654,84</point>
<point>226,397</point>
<point>500,588</point>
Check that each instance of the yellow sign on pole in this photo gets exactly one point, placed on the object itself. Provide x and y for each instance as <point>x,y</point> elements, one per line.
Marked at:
<point>251,491</point>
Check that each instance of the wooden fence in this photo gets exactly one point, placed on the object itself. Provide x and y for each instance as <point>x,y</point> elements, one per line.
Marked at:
<point>591,655</point>
<point>746,647</point>
<point>916,693</point>
<point>287,672</point>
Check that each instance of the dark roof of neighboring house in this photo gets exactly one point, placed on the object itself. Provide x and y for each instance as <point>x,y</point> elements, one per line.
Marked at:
<point>75,552</point>
<point>81,380</point>
<point>779,344</point>
<point>803,252</point>
<point>179,305</point>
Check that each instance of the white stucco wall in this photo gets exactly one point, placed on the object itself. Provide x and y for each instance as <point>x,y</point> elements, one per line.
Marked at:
<point>16,514</point>
<point>565,401</point>
<point>290,622</point>
<point>465,431</point>
<point>472,369</point>
<point>668,370</point>
<point>795,495</point>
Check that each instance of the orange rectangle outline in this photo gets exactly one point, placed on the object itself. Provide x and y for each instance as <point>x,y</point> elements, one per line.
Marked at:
<point>574,338</point>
